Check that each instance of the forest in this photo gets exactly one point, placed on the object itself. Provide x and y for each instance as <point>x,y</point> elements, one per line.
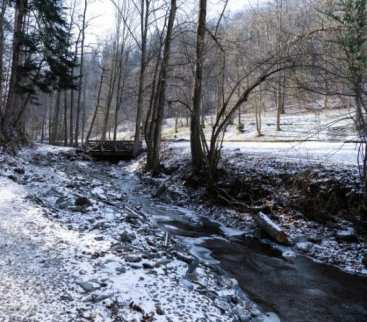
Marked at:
<point>171,160</point>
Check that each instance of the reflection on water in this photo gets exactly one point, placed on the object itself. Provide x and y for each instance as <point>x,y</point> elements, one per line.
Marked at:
<point>295,288</point>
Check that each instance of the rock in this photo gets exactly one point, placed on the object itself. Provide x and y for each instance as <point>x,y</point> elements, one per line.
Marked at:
<point>132,219</point>
<point>160,191</point>
<point>315,239</point>
<point>12,177</point>
<point>62,203</point>
<point>87,315</point>
<point>208,293</point>
<point>133,259</point>
<point>242,314</point>
<point>19,170</point>
<point>191,273</point>
<point>135,266</point>
<point>347,235</point>
<point>89,286</point>
<point>66,297</point>
<point>162,262</point>
<point>159,310</point>
<point>149,256</point>
<point>148,266</point>
<point>304,246</point>
<point>126,237</point>
<point>95,298</point>
<point>121,270</point>
<point>82,202</point>
<point>183,257</point>
<point>222,304</point>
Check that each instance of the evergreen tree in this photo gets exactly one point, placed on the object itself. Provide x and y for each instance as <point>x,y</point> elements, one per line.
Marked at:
<point>41,61</point>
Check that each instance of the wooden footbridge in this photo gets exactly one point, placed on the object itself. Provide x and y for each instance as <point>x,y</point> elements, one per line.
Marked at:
<point>112,150</point>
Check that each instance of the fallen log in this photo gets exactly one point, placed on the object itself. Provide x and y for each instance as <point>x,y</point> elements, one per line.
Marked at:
<point>261,219</point>
<point>271,228</point>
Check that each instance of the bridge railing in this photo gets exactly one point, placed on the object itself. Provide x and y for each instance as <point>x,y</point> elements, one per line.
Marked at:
<point>110,146</point>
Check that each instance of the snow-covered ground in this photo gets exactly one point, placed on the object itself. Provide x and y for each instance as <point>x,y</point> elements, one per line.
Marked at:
<point>325,152</point>
<point>33,277</point>
<point>296,125</point>
<point>278,160</point>
<point>77,246</point>
<point>72,250</point>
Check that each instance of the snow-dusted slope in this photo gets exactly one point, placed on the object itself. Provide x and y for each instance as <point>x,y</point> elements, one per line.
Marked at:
<point>72,251</point>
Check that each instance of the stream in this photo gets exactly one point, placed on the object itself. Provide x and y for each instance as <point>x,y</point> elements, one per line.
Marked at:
<point>288,286</point>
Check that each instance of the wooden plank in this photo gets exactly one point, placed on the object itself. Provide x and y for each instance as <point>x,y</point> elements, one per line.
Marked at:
<point>111,149</point>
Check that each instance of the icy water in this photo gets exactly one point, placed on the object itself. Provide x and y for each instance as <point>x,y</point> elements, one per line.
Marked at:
<point>289,289</point>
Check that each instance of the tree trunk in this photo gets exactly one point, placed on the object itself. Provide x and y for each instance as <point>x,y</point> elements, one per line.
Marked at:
<point>111,90</point>
<point>12,131</point>
<point>258,111</point>
<point>120,89</point>
<point>56,119</point>
<point>197,154</point>
<point>65,118</point>
<point>43,126</point>
<point>50,105</point>
<point>97,107</point>
<point>271,228</point>
<point>2,39</point>
<point>78,109</point>
<point>84,112</point>
<point>144,21</point>
<point>161,98</point>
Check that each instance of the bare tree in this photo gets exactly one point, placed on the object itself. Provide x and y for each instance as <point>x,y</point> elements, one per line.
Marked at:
<point>81,74</point>
<point>2,41</point>
<point>154,142</point>
<point>94,117</point>
<point>197,154</point>
<point>144,26</point>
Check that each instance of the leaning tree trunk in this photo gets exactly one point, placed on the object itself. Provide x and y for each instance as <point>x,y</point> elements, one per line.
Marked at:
<point>97,107</point>
<point>158,113</point>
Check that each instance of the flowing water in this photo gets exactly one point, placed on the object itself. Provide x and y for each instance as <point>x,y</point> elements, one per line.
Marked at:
<point>289,288</point>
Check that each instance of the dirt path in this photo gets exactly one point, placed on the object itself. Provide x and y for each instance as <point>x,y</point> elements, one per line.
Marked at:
<point>33,278</point>
<point>71,251</point>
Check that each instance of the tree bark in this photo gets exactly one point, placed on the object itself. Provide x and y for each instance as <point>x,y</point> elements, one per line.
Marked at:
<point>12,130</point>
<point>78,110</point>
<point>120,88</point>
<point>2,39</point>
<point>97,107</point>
<point>161,98</point>
<point>65,118</point>
<point>271,228</point>
<point>56,119</point>
<point>111,90</point>
<point>197,153</point>
<point>144,21</point>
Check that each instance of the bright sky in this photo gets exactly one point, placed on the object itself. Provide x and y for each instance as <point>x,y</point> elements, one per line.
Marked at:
<point>102,13</point>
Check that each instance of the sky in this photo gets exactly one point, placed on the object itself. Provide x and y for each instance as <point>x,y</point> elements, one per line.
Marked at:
<point>101,15</point>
